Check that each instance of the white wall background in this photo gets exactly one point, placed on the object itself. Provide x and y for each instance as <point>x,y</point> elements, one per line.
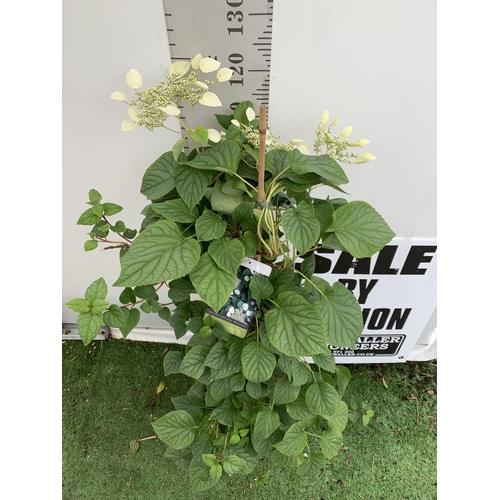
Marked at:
<point>373,62</point>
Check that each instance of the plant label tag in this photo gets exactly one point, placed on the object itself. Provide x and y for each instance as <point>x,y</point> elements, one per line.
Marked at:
<point>238,312</point>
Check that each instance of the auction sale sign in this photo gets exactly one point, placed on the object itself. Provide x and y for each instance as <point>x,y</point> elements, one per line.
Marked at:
<point>396,289</point>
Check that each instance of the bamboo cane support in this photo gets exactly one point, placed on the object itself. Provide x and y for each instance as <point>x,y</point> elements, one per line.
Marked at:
<point>261,166</point>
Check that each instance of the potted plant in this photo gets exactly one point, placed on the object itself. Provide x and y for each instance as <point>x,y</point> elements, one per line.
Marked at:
<point>227,206</point>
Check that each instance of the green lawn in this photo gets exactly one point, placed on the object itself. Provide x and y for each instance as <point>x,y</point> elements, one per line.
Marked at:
<point>110,399</point>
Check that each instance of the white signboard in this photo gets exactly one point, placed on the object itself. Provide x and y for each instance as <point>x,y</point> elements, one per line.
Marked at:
<point>396,289</point>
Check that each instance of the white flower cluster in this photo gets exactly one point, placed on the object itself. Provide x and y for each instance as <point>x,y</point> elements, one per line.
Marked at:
<point>153,106</point>
<point>336,146</point>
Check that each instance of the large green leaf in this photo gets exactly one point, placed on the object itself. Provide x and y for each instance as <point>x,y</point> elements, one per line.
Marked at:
<point>341,417</point>
<point>210,226</point>
<point>191,183</point>
<point>294,441</point>
<point>226,413</point>
<point>225,203</point>
<point>193,363</point>
<point>232,464</point>
<point>200,477</point>
<point>342,315</point>
<point>285,392</point>
<point>323,211</point>
<point>257,362</point>
<point>266,423</point>
<point>89,326</point>
<point>159,253</point>
<point>322,165</point>
<point>224,156</point>
<point>322,399</point>
<point>330,442</point>
<point>176,210</point>
<point>361,229</point>
<point>312,463</point>
<point>158,179</point>
<point>172,362</point>
<point>298,409</point>
<point>260,287</point>
<point>176,429</point>
<point>301,227</point>
<point>227,254</point>
<point>213,284</point>
<point>294,327</point>
<point>326,362</point>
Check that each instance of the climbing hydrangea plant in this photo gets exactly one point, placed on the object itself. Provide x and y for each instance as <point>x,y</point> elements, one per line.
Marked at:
<point>277,390</point>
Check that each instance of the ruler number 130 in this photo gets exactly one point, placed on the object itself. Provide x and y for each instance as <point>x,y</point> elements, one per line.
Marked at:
<point>235,16</point>
<point>235,58</point>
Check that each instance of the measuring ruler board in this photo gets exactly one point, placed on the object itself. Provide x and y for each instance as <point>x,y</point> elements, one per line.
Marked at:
<point>238,33</point>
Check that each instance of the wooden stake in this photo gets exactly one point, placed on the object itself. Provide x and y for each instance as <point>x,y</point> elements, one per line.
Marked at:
<point>261,166</point>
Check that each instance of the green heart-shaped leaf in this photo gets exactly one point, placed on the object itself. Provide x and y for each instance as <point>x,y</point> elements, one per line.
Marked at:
<point>159,253</point>
<point>213,284</point>
<point>301,227</point>
<point>294,327</point>
<point>361,229</point>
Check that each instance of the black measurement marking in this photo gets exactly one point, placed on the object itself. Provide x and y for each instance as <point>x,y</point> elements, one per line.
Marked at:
<point>261,14</point>
<point>256,70</point>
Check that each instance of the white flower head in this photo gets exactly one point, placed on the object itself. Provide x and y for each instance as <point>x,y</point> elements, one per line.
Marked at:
<point>324,117</point>
<point>296,142</point>
<point>236,123</point>
<point>224,74</point>
<point>195,61</point>
<point>210,99</point>
<point>335,122</point>
<point>207,65</point>
<point>250,114</point>
<point>346,131</point>
<point>118,96</point>
<point>214,135</point>
<point>128,125</point>
<point>179,68</point>
<point>303,149</point>
<point>134,79</point>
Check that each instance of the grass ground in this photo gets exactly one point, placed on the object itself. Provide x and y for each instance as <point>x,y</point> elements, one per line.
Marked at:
<point>110,399</point>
